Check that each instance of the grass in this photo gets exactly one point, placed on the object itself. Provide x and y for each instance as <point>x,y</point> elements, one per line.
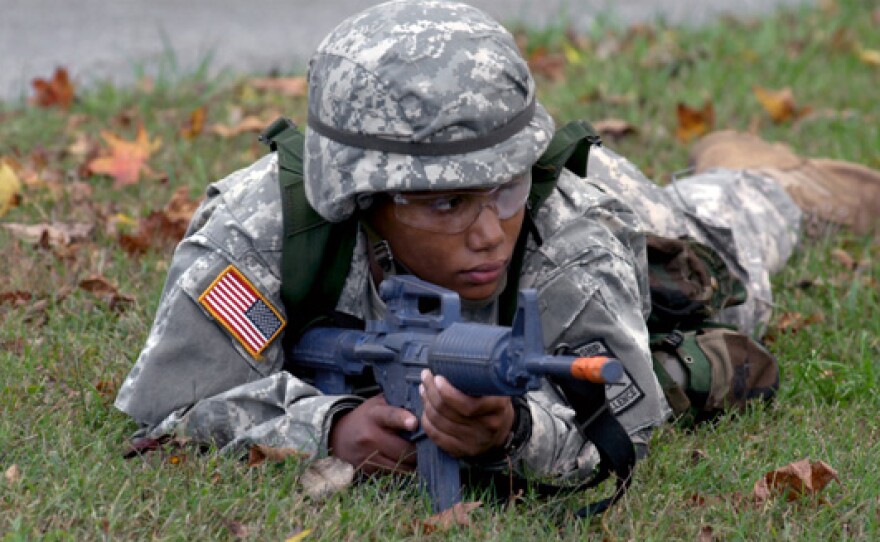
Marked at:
<point>64,351</point>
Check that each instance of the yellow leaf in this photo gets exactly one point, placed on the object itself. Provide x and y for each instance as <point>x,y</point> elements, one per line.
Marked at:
<point>869,56</point>
<point>572,55</point>
<point>779,104</point>
<point>126,159</point>
<point>10,189</point>
<point>300,536</point>
<point>693,123</point>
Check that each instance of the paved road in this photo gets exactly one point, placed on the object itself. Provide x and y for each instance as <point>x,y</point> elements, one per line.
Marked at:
<point>103,39</point>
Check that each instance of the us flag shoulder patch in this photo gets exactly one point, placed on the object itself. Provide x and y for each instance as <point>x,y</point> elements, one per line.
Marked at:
<point>240,308</point>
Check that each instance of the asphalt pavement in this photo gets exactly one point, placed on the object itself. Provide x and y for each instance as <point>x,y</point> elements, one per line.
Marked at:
<point>119,40</point>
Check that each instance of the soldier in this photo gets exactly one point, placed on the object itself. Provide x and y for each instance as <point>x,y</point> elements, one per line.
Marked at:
<point>424,125</point>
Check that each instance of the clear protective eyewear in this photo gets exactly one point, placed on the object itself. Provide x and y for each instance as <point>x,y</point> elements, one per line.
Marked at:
<point>453,212</point>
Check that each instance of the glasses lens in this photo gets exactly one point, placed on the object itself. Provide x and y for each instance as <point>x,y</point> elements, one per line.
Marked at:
<point>453,212</point>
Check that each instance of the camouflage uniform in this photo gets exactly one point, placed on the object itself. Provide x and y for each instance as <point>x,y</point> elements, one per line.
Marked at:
<point>197,377</point>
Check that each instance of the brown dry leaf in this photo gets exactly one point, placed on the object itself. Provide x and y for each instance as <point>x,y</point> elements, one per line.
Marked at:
<point>126,160</point>
<point>707,534</point>
<point>106,388</point>
<point>260,453</point>
<point>615,128</point>
<point>693,123</point>
<point>250,123</point>
<point>327,476</point>
<point>195,124</point>
<point>100,287</point>
<point>180,207</point>
<point>83,145</point>
<point>795,321</point>
<point>288,86</point>
<point>779,104</point>
<point>17,297</point>
<point>451,517</point>
<point>237,528</point>
<point>844,258</point>
<point>164,226</point>
<point>57,91</point>
<point>10,188</point>
<point>56,234</point>
<point>875,17</point>
<point>795,480</point>
<point>13,475</point>
<point>550,65</point>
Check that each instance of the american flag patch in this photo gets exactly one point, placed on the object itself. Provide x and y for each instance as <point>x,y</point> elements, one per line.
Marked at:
<point>239,307</point>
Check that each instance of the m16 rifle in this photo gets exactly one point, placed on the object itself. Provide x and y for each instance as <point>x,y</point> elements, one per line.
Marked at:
<point>423,329</point>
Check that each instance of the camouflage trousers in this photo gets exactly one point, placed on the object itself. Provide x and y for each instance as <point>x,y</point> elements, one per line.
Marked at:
<point>747,218</point>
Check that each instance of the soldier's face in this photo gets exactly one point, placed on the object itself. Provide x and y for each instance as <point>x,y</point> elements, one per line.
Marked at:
<point>471,262</point>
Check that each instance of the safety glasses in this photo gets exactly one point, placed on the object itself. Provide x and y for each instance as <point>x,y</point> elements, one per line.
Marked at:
<point>454,211</point>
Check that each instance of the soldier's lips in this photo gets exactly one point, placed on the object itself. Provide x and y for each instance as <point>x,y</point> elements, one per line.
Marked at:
<point>485,273</point>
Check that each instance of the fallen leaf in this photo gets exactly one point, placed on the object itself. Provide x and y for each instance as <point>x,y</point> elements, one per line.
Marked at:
<point>844,258</point>
<point>795,480</point>
<point>13,475</point>
<point>707,534</point>
<point>698,456</point>
<point>237,528</point>
<point>550,65</point>
<point>106,388</point>
<point>260,453</point>
<point>140,446</point>
<point>869,56</point>
<point>458,515</point>
<point>57,91</point>
<point>299,537</point>
<point>161,227</point>
<point>55,234</point>
<point>125,160</point>
<point>693,123</point>
<point>326,476</point>
<point>794,321</point>
<point>250,123</point>
<point>614,128</point>
<point>17,297</point>
<point>779,104</point>
<point>195,124</point>
<point>102,288</point>
<point>181,207</point>
<point>288,86</point>
<point>10,189</point>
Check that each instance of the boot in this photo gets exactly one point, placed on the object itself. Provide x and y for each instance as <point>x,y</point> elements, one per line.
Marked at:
<point>832,191</point>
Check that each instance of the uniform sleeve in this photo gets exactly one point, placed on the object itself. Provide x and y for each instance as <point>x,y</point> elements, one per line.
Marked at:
<point>591,277</point>
<point>211,365</point>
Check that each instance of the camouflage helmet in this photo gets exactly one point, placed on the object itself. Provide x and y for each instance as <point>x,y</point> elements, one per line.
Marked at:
<point>418,95</point>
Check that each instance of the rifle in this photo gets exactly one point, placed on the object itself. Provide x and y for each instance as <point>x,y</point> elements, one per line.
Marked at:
<point>423,329</point>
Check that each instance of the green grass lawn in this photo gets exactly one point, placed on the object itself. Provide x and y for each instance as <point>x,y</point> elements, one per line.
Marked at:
<point>65,345</point>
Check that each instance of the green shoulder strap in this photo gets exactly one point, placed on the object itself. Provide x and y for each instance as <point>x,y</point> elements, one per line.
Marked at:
<point>316,254</point>
<point>569,149</point>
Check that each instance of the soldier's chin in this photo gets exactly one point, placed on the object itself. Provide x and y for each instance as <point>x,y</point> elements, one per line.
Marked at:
<point>479,292</point>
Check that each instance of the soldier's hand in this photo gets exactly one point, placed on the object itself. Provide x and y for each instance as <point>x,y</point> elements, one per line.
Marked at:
<point>460,424</point>
<point>369,438</point>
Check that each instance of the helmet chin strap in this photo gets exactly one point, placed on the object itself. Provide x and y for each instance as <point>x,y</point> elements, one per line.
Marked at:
<point>383,265</point>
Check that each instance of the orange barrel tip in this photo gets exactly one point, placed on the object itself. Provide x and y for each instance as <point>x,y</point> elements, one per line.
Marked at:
<point>598,369</point>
